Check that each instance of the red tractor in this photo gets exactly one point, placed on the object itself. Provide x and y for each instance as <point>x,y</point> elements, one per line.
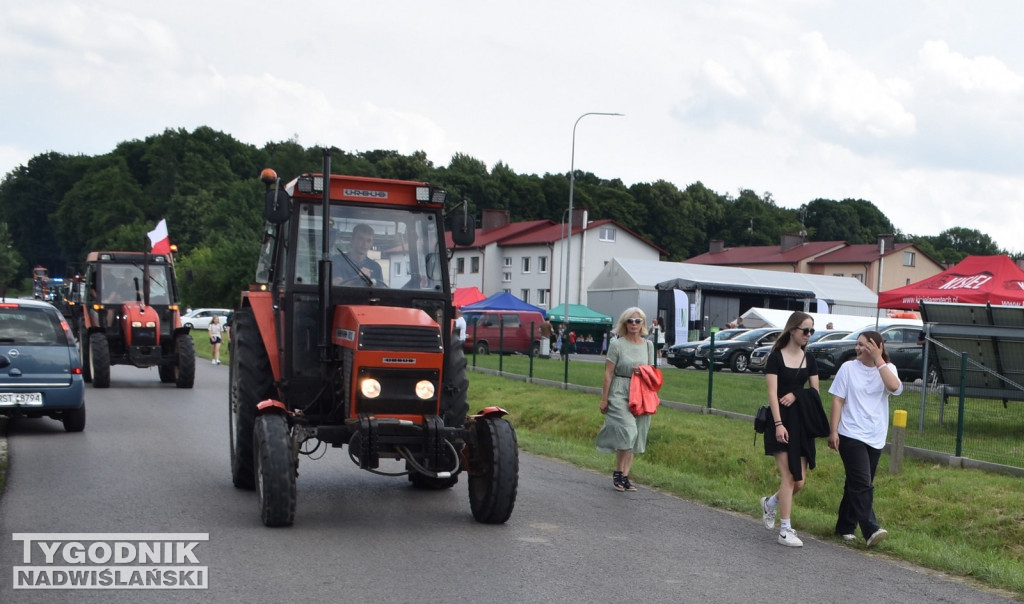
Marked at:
<point>345,339</point>
<point>126,312</point>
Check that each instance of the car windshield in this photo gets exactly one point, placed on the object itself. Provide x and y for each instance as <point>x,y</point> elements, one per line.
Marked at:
<point>30,326</point>
<point>752,335</point>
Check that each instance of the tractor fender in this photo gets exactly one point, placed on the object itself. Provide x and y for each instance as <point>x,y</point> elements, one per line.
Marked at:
<point>271,406</point>
<point>491,412</point>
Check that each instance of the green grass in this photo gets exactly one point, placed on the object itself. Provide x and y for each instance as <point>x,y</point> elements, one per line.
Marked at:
<point>964,522</point>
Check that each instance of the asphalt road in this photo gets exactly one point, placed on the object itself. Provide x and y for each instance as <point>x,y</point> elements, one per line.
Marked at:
<point>154,459</point>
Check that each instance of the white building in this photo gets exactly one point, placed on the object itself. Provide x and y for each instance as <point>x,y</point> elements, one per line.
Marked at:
<point>527,259</point>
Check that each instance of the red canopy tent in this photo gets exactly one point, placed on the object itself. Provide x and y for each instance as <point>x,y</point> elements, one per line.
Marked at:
<point>466,295</point>
<point>995,280</point>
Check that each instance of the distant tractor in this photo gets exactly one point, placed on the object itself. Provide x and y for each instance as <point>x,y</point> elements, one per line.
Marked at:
<point>40,282</point>
<point>344,339</point>
<point>126,312</point>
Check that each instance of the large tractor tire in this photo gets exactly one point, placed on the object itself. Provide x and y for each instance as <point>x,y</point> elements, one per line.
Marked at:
<point>99,360</point>
<point>185,370</point>
<point>275,470</point>
<point>455,387</point>
<point>249,382</point>
<point>83,352</point>
<point>168,373</point>
<point>495,476</point>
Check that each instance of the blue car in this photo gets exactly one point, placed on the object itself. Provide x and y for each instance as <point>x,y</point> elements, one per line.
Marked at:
<point>40,371</point>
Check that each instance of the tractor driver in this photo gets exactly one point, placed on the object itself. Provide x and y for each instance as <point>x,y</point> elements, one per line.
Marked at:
<point>355,267</point>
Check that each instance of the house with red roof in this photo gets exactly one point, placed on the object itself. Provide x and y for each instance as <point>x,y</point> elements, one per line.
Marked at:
<point>884,263</point>
<point>527,259</point>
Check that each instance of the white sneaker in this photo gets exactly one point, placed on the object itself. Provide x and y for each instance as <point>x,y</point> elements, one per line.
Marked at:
<point>788,538</point>
<point>877,537</point>
<point>849,537</point>
<point>767,514</point>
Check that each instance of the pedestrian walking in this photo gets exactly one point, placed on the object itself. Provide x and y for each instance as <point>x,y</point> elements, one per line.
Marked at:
<point>859,426</point>
<point>215,330</point>
<point>623,433</point>
<point>788,370</point>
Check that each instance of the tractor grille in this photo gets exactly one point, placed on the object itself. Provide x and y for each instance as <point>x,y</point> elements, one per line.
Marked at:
<point>407,339</point>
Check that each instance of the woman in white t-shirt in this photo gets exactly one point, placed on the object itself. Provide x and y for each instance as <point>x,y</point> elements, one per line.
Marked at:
<point>859,426</point>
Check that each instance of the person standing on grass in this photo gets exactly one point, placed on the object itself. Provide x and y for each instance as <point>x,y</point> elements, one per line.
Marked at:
<point>859,426</point>
<point>624,433</point>
<point>787,370</point>
<point>216,330</point>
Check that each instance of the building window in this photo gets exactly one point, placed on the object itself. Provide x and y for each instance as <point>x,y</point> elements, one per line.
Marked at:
<point>507,291</point>
<point>524,295</point>
<point>508,261</point>
<point>526,264</point>
<point>606,234</point>
<point>838,275</point>
<point>506,276</point>
<point>909,258</point>
<point>542,264</point>
<point>474,264</point>
<point>542,296</point>
<point>460,266</point>
<point>858,277</point>
<point>398,268</point>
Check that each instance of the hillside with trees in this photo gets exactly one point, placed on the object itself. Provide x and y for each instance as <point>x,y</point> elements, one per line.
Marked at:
<point>206,184</point>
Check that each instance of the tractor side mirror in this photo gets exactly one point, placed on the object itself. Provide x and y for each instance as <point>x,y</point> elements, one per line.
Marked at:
<point>275,207</point>
<point>462,228</point>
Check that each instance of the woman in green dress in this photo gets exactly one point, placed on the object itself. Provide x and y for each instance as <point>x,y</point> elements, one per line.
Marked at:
<point>623,433</point>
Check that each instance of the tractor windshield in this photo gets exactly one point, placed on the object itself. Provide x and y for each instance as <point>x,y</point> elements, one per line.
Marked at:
<point>371,247</point>
<point>117,283</point>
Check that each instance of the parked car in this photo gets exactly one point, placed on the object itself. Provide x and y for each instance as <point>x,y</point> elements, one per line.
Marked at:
<point>900,342</point>
<point>681,355</point>
<point>200,318</point>
<point>735,352</point>
<point>40,370</point>
<point>504,331</point>
<point>760,355</point>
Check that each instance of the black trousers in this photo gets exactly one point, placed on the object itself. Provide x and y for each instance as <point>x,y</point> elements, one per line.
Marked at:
<point>857,507</point>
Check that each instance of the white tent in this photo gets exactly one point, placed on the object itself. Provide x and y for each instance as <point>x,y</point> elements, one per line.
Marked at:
<point>771,317</point>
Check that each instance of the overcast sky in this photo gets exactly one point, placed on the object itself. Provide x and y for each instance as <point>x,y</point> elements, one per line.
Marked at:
<point>915,106</point>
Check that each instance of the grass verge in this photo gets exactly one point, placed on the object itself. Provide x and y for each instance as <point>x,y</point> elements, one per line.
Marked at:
<point>964,522</point>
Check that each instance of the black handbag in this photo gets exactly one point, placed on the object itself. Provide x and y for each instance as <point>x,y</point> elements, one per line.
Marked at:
<point>761,419</point>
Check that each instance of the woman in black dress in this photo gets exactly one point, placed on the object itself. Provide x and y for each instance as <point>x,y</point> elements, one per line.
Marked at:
<point>788,369</point>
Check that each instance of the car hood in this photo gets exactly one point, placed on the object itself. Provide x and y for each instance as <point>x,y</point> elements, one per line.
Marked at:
<point>35,366</point>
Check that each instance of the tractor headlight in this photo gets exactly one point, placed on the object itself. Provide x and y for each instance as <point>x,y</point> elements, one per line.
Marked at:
<point>425,389</point>
<point>370,388</point>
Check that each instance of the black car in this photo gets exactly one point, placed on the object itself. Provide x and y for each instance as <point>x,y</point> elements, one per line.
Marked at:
<point>681,355</point>
<point>735,353</point>
<point>759,357</point>
<point>900,342</point>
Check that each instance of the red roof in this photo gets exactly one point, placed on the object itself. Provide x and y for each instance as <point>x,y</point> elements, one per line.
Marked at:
<point>766,254</point>
<point>860,253</point>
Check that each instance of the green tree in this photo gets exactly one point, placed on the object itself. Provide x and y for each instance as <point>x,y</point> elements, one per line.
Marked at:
<point>11,262</point>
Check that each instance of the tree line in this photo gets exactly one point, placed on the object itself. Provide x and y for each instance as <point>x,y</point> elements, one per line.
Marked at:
<point>58,207</point>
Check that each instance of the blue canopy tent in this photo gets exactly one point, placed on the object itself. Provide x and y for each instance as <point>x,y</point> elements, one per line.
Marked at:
<point>502,301</point>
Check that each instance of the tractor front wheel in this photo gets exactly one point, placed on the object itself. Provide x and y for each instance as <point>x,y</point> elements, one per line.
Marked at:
<point>275,470</point>
<point>494,475</point>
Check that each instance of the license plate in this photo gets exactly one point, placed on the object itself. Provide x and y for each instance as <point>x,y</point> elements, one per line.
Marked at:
<point>21,398</point>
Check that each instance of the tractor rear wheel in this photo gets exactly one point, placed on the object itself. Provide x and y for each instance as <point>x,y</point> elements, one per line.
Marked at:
<point>275,470</point>
<point>250,381</point>
<point>99,360</point>
<point>455,389</point>
<point>186,368</point>
<point>495,473</point>
<point>83,351</point>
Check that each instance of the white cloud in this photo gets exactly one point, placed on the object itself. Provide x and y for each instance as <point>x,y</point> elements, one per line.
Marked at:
<point>984,74</point>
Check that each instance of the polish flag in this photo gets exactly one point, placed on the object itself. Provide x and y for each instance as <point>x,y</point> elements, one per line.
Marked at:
<point>159,240</point>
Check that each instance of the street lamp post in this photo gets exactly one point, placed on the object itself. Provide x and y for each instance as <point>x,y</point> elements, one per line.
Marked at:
<point>568,245</point>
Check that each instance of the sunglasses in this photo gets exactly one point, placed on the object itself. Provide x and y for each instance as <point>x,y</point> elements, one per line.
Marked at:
<point>808,331</point>
<point>635,321</point>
